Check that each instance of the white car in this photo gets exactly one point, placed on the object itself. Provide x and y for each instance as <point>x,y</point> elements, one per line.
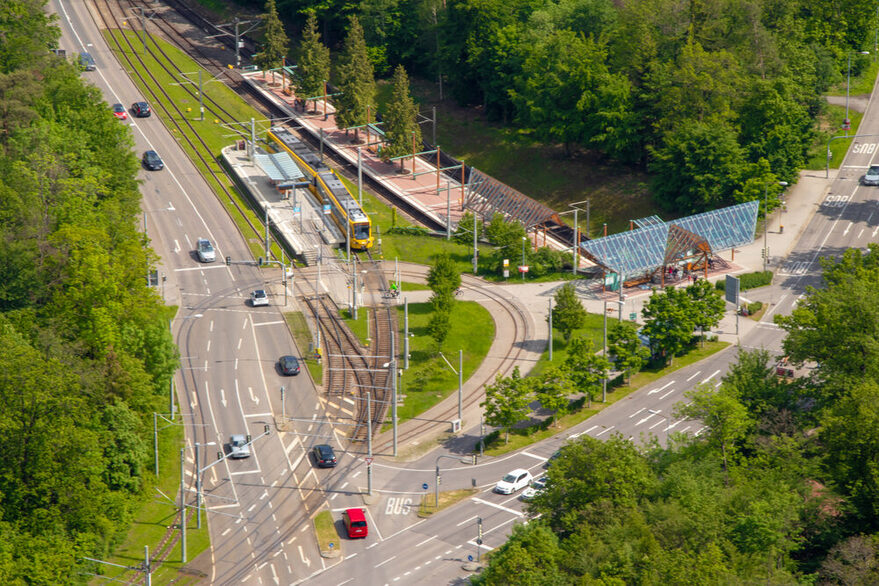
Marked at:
<point>258,298</point>
<point>238,446</point>
<point>871,177</point>
<point>514,481</point>
<point>205,250</point>
<point>536,488</point>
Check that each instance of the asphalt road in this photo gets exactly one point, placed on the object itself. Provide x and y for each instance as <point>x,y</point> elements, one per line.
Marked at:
<point>257,508</point>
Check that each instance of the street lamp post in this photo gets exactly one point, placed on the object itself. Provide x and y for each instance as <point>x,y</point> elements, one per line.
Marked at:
<point>604,353</point>
<point>198,483</point>
<point>847,123</point>
<point>766,223</point>
<point>522,268</point>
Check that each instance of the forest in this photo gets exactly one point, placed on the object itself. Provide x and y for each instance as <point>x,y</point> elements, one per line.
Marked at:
<point>88,352</point>
<point>715,99</point>
<point>781,488</point>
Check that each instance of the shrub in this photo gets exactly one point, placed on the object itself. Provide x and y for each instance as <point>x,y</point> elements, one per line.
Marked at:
<point>748,281</point>
<point>755,307</point>
<point>408,230</point>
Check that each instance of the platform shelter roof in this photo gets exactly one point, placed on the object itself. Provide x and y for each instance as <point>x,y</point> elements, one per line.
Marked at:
<point>656,243</point>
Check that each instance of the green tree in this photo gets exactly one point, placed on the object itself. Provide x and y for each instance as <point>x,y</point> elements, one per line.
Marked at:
<point>400,121</point>
<point>726,419</point>
<point>507,402</point>
<point>554,389</point>
<point>706,305</point>
<point>276,44</point>
<point>568,313</point>
<point>531,554</point>
<point>585,368</point>
<point>356,80</point>
<point>463,233</point>
<point>507,237</point>
<point>313,68</point>
<point>443,279</point>
<point>669,323</point>
<point>629,354</point>
<point>439,325</point>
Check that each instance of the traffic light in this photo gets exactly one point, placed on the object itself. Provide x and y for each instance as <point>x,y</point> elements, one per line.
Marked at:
<point>228,260</point>
<point>260,261</point>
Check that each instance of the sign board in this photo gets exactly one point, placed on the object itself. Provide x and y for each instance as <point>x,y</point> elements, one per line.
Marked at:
<point>506,273</point>
<point>296,209</point>
<point>368,461</point>
<point>523,268</point>
<point>506,262</point>
<point>633,316</point>
<point>425,486</point>
<point>731,291</point>
<point>332,545</point>
<point>327,209</point>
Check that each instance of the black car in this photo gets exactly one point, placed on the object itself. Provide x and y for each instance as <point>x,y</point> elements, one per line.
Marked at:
<point>289,365</point>
<point>152,161</point>
<point>324,456</point>
<point>141,110</point>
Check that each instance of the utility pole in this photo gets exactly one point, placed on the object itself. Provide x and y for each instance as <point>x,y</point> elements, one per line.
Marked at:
<point>475,249</point>
<point>283,405</point>
<point>448,210</point>
<point>360,177</point>
<point>369,442</point>
<point>183,504</point>
<point>461,387</point>
<point>550,329</point>
<point>405,334</point>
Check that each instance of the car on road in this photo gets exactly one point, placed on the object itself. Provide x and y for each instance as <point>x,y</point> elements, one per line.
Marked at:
<point>87,62</point>
<point>514,481</point>
<point>152,161</point>
<point>871,177</point>
<point>553,458</point>
<point>205,250</point>
<point>239,447</point>
<point>324,456</point>
<point>537,486</point>
<point>141,110</point>
<point>355,523</point>
<point>289,365</point>
<point>119,112</point>
<point>258,298</point>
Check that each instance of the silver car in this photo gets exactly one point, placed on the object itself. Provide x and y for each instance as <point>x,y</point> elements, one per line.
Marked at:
<point>205,250</point>
<point>258,298</point>
<point>871,177</point>
<point>238,447</point>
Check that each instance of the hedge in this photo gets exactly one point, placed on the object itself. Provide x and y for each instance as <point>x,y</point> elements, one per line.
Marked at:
<point>748,281</point>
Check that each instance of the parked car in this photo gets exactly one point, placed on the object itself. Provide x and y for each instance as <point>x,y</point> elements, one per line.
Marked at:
<point>355,523</point>
<point>152,161</point>
<point>514,481</point>
<point>324,456</point>
<point>87,62</point>
<point>119,112</point>
<point>552,458</point>
<point>871,177</point>
<point>258,298</point>
<point>238,447</point>
<point>205,250</point>
<point>289,365</point>
<point>537,486</point>
<point>141,110</point>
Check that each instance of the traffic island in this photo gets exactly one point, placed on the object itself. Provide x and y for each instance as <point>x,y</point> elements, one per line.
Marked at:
<point>446,499</point>
<point>328,541</point>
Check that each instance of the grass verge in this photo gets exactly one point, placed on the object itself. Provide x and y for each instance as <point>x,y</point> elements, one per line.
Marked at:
<point>328,540</point>
<point>520,438</point>
<point>152,520</point>
<point>302,336</point>
<point>429,379</point>
<point>446,499</point>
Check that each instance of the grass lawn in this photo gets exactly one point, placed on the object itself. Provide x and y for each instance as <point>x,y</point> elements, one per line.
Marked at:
<point>302,335</point>
<point>593,330</point>
<point>151,521</point>
<point>325,530</point>
<point>429,380</point>
<point>520,438</point>
<point>446,499</point>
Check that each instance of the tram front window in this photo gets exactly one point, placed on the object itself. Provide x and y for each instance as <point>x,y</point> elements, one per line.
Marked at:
<point>361,231</point>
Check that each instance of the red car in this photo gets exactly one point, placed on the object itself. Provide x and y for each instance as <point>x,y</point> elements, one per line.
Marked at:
<point>119,112</point>
<point>355,523</point>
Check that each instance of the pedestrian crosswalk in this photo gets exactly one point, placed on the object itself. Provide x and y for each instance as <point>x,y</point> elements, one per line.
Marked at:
<point>794,268</point>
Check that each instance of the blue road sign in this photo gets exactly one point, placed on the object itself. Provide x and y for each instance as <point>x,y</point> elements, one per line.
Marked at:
<point>425,486</point>
<point>469,558</point>
<point>332,545</point>
<point>327,209</point>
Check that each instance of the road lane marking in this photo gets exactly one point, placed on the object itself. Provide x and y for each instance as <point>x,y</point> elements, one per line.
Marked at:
<point>694,375</point>
<point>209,345</point>
<point>199,269</point>
<point>258,415</point>
<point>713,374</point>
<point>666,394</point>
<point>267,323</point>
<point>431,537</point>
<point>607,429</point>
<point>256,399</point>
<point>535,456</point>
<point>501,507</point>
<point>660,388</point>
<point>380,564</point>
<point>458,525</point>
<point>638,411</point>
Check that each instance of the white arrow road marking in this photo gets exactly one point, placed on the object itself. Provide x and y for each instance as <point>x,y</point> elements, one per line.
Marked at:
<point>847,228</point>
<point>176,247</point>
<point>223,397</point>
<point>275,574</point>
<point>305,560</point>
<point>644,419</point>
<point>255,399</point>
<point>661,388</point>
